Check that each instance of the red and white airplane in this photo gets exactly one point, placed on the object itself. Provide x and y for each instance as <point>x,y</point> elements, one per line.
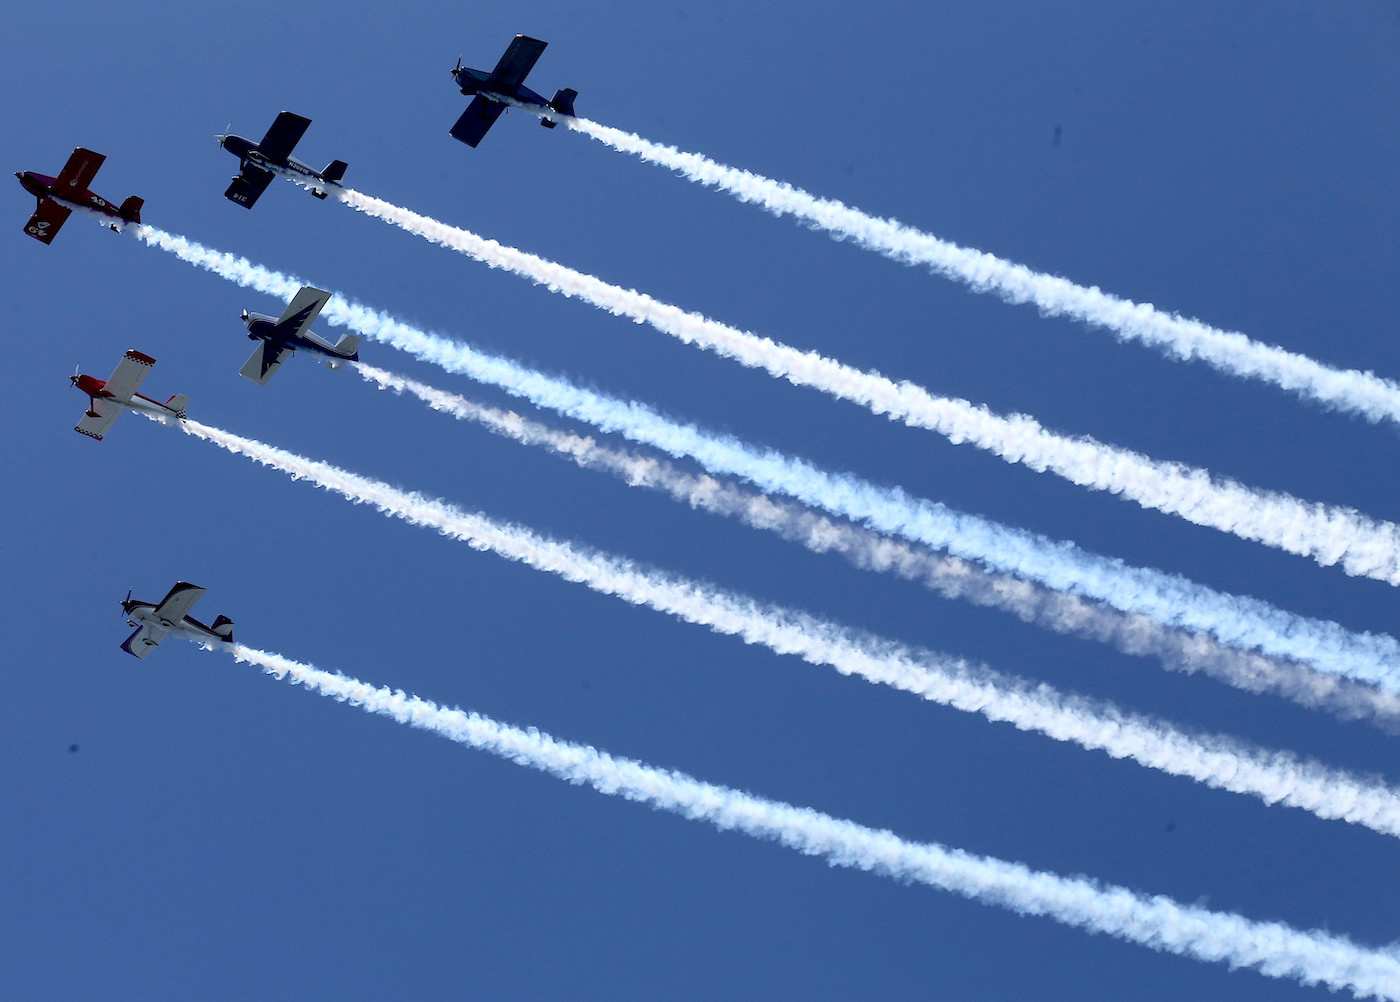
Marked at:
<point>71,186</point>
<point>109,397</point>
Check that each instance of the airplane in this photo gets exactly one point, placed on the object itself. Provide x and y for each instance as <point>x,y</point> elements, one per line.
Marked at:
<point>71,186</point>
<point>109,397</point>
<point>258,162</point>
<point>280,336</point>
<point>171,616</point>
<point>502,86</point>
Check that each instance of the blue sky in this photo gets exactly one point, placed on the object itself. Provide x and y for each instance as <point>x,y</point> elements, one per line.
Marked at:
<point>220,835</point>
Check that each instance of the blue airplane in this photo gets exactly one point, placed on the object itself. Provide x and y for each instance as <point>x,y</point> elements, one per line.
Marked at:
<point>258,162</point>
<point>280,336</point>
<point>504,84</point>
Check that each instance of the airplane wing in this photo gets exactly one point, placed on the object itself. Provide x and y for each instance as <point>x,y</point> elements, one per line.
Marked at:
<point>265,360</point>
<point>516,64</point>
<point>476,121</point>
<point>283,135</point>
<point>106,412</point>
<point>178,602</point>
<point>142,642</point>
<point>44,224</point>
<point>301,311</point>
<point>248,186</point>
<point>79,171</point>
<point>129,373</point>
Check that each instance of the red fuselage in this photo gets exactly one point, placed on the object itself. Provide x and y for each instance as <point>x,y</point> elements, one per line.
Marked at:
<point>42,186</point>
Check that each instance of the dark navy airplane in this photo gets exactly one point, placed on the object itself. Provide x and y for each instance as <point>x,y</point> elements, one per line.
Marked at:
<point>280,336</point>
<point>504,85</point>
<point>258,162</point>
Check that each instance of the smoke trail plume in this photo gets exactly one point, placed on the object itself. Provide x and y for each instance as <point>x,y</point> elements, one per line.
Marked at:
<point>949,576</point>
<point>1221,762</point>
<point>1363,393</point>
<point>1236,621</point>
<point>1325,533</point>
<point>1272,948</point>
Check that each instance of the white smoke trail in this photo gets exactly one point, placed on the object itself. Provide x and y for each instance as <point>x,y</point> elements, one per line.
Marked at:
<point>1221,762</point>
<point>1237,621</point>
<point>1327,534</point>
<point>1364,393</point>
<point>949,576</point>
<point>1272,948</point>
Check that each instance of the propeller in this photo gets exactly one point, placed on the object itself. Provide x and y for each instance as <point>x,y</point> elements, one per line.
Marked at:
<point>459,66</point>
<point>128,599</point>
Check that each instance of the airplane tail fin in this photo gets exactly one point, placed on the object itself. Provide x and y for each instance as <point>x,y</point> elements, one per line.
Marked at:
<point>562,102</point>
<point>131,209</point>
<point>335,170</point>
<point>223,629</point>
<point>349,346</point>
<point>178,403</point>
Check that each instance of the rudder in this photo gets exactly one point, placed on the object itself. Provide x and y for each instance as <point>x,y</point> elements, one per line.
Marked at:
<point>223,629</point>
<point>562,102</point>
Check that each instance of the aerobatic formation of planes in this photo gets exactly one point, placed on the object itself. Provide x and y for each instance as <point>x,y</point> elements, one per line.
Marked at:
<point>279,337</point>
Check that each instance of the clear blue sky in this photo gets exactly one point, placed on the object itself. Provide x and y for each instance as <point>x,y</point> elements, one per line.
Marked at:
<point>219,835</point>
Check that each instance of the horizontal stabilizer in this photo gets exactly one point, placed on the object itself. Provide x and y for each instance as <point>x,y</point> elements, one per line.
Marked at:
<point>131,209</point>
<point>178,403</point>
<point>223,629</point>
<point>335,170</point>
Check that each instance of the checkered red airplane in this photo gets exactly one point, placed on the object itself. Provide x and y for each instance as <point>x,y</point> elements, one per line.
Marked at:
<point>109,397</point>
